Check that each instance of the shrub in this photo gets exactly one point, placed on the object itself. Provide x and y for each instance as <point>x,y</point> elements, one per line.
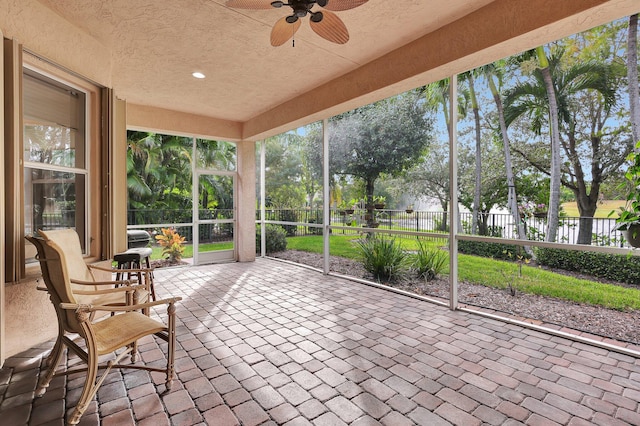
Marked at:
<point>171,243</point>
<point>289,215</point>
<point>275,238</point>
<point>383,257</point>
<point>616,267</point>
<point>429,262</point>
<point>492,250</point>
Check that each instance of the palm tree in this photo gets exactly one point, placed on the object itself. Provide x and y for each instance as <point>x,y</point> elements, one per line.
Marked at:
<point>469,77</point>
<point>539,100</point>
<point>159,173</point>
<point>554,184</point>
<point>491,72</point>
<point>532,98</point>
<point>632,77</point>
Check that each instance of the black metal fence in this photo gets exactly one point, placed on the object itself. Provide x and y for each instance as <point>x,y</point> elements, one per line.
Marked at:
<point>209,232</point>
<point>491,224</point>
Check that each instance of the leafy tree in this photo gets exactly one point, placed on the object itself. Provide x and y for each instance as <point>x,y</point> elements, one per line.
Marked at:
<point>494,191</point>
<point>159,172</point>
<point>429,179</point>
<point>159,175</point>
<point>284,171</point>
<point>311,161</point>
<point>437,97</point>
<point>215,192</point>
<point>384,137</point>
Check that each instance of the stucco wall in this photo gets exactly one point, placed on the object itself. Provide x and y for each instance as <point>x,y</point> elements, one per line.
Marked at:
<point>46,34</point>
<point>30,317</point>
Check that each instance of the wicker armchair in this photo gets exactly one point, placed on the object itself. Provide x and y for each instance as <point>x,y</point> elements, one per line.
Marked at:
<point>102,334</point>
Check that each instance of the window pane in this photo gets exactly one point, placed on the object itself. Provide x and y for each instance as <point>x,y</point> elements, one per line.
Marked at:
<point>54,117</point>
<point>54,200</point>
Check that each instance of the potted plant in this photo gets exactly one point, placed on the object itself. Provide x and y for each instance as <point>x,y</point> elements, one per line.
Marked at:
<point>540,210</point>
<point>342,206</point>
<point>351,206</point>
<point>379,202</point>
<point>628,220</point>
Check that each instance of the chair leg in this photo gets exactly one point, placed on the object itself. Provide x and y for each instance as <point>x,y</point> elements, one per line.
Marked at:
<point>52,361</point>
<point>88,391</point>
<point>171,329</point>
<point>153,290</point>
<point>134,351</point>
<point>56,347</point>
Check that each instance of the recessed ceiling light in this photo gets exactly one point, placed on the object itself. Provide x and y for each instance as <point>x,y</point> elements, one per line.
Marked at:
<point>198,75</point>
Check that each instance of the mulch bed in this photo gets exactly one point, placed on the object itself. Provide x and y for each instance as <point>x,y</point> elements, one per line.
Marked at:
<point>596,320</point>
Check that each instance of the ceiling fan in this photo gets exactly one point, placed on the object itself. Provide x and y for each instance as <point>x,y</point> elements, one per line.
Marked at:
<point>325,23</point>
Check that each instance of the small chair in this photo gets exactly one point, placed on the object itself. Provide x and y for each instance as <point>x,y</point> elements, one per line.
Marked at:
<point>101,336</point>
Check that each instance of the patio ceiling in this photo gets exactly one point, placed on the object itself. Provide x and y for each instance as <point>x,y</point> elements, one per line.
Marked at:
<point>155,45</point>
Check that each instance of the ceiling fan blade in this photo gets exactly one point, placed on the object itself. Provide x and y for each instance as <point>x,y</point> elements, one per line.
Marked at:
<point>338,5</point>
<point>283,31</point>
<point>331,28</point>
<point>249,4</point>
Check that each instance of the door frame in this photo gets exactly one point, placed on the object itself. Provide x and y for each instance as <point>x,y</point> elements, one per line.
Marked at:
<point>217,256</point>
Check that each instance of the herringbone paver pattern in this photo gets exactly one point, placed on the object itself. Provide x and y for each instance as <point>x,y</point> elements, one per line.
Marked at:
<point>272,343</point>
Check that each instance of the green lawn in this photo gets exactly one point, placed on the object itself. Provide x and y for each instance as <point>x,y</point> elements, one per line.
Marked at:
<point>346,245</point>
<point>603,210</point>
<point>188,249</point>
<point>496,273</point>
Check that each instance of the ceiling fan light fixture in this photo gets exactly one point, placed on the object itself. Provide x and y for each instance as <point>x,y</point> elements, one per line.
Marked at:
<point>322,3</point>
<point>277,3</point>
<point>316,16</point>
<point>291,19</point>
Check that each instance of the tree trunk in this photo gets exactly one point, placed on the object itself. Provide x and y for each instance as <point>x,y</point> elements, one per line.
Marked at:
<point>554,185</point>
<point>587,210</point>
<point>445,216</point>
<point>512,199</point>
<point>370,211</point>
<point>587,206</point>
<point>632,77</point>
<point>478,171</point>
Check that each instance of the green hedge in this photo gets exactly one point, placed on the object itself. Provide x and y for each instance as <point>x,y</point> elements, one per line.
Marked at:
<point>492,250</point>
<point>276,238</point>
<point>616,267</point>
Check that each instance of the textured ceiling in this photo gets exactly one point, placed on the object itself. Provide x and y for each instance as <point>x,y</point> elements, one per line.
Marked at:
<point>155,46</point>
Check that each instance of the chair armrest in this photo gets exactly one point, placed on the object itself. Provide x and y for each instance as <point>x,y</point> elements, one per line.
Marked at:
<point>115,271</point>
<point>96,308</point>
<point>123,289</point>
<point>126,282</point>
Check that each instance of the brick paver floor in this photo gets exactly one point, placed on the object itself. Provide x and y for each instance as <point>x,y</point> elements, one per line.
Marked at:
<point>268,343</point>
